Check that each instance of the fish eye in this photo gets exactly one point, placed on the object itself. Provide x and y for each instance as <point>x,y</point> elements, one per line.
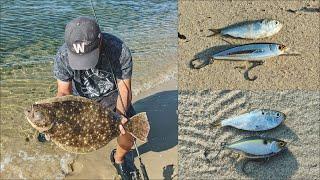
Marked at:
<point>278,114</point>
<point>262,113</point>
<point>38,115</point>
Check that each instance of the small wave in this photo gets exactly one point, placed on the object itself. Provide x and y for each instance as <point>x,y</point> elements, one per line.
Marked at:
<point>154,82</point>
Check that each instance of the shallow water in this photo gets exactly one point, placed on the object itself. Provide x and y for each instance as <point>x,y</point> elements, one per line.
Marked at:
<point>32,31</point>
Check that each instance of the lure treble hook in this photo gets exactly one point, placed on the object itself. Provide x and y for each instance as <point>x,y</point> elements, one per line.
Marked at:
<point>197,63</point>
<point>253,65</point>
<point>223,145</point>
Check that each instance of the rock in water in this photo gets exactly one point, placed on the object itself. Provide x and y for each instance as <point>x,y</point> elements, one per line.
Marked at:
<point>80,125</point>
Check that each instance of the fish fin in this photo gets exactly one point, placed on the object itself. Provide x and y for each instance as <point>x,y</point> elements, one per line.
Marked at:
<point>139,126</point>
<point>216,124</point>
<point>63,99</point>
<point>227,41</point>
<point>215,32</point>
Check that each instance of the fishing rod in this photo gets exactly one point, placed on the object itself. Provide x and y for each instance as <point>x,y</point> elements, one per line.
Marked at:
<point>142,166</point>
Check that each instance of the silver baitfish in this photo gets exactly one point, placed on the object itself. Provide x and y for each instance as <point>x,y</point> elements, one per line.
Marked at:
<point>256,147</point>
<point>251,52</point>
<point>251,29</point>
<point>256,120</point>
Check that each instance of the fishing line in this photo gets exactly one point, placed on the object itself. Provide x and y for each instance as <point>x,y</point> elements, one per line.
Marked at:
<point>94,12</point>
<point>111,67</point>
<point>142,166</point>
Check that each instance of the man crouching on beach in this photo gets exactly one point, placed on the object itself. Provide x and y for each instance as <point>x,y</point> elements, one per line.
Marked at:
<point>87,65</point>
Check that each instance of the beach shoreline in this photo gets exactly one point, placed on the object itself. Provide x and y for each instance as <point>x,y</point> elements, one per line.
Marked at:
<point>21,153</point>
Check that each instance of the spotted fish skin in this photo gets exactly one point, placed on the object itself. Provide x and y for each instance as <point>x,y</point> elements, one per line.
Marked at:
<point>256,120</point>
<point>257,147</point>
<point>80,125</point>
<point>251,52</point>
<point>253,29</point>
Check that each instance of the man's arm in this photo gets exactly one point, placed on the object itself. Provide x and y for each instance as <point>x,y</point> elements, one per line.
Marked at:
<point>64,88</point>
<point>125,96</point>
<point>124,100</point>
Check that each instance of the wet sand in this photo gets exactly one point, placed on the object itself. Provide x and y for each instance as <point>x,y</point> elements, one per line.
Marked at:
<point>22,156</point>
<point>199,141</point>
<point>300,33</point>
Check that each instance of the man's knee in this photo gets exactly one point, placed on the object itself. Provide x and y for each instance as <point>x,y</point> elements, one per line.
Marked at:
<point>125,141</point>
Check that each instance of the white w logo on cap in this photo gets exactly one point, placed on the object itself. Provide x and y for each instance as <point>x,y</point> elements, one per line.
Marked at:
<point>79,47</point>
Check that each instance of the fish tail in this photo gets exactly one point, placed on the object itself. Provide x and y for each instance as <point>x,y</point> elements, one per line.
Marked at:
<point>215,32</point>
<point>216,124</point>
<point>139,126</point>
<point>223,145</point>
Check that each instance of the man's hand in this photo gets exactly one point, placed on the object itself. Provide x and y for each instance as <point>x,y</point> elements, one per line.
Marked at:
<point>64,88</point>
<point>123,121</point>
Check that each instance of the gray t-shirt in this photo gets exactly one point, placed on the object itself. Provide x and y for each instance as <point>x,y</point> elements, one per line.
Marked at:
<point>97,83</point>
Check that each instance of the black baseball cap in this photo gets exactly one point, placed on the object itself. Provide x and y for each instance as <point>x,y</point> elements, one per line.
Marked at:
<point>82,37</point>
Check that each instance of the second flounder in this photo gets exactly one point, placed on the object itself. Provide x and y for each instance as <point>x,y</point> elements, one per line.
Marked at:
<point>256,120</point>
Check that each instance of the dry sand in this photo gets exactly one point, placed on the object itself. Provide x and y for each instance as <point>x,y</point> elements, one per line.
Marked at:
<point>300,33</point>
<point>197,136</point>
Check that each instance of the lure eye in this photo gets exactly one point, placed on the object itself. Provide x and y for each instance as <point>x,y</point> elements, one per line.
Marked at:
<point>282,47</point>
<point>278,114</point>
<point>282,144</point>
<point>262,113</point>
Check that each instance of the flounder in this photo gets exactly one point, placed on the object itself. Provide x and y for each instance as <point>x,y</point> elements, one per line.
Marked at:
<point>80,125</point>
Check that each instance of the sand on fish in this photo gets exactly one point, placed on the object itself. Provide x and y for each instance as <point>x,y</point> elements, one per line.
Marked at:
<point>300,32</point>
<point>199,141</point>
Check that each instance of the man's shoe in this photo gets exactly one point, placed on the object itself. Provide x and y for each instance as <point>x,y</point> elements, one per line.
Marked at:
<point>122,168</point>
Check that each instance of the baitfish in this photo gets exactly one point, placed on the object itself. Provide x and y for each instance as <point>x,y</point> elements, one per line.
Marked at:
<point>251,52</point>
<point>256,120</point>
<point>80,125</point>
<point>250,29</point>
<point>255,147</point>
